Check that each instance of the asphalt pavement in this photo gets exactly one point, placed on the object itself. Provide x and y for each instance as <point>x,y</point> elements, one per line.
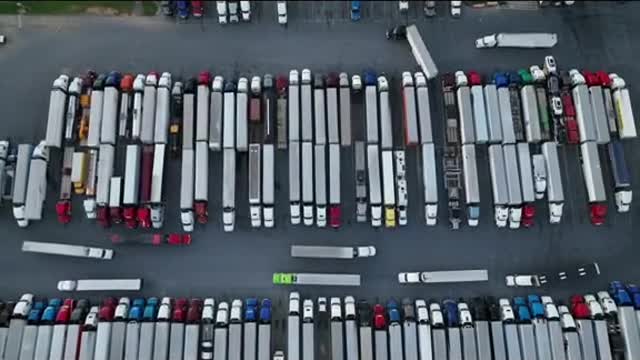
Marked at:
<point>319,37</point>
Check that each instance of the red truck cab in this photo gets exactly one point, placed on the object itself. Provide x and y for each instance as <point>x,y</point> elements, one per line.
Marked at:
<point>63,314</point>
<point>102,216</point>
<point>144,217</point>
<point>281,85</point>
<point>179,239</point>
<point>180,310</point>
<point>379,320</point>
<point>335,216</point>
<point>204,78</point>
<point>579,309</point>
<point>603,79</point>
<point>528,214</point>
<point>195,311</point>
<point>597,213</point>
<point>590,78</point>
<point>126,84</point>
<point>130,217</point>
<point>474,78</point>
<point>570,123</point>
<point>63,210</point>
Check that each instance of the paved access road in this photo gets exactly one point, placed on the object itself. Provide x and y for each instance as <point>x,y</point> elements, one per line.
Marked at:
<point>219,264</point>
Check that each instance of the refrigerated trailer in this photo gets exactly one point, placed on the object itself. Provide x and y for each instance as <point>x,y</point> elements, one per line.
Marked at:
<point>215,127</point>
<point>73,109</point>
<point>157,178</point>
<point>600,120</point>
<point>465,111</point>
<point>371,109</point>
<point>228,117</point>
<point>345,110</point>
<point>494,123</point>
<point>320,169</point>
<point>201,188</point>
<point>424,108</point>
<point>333,128</point>
<point>37,184</point>
<point>479,108</point>
<point>471,187</point>
<point>555,192</point>
<point>582,102</point>
<point>229,189</point>
<point>294,180</point>
<point>513,185</point>
<point>592,172</point>
<point>294,107</point>
<point>242,98</point>
<point>268,184</point>
<point>430,183</point>
<point>95,112</point>
<point>109,124</point>
<point>293,335</point>
<point>255,187</point>
<point>186,190</point>
<point>163,111</point>
<point>332,252</point>
<point>386,130</point>
<point>147,126</point>
<point>202,106</point>
<point>335,211</point>
<point>307,183</point>
<point>306,106</point>
<point>620,175</point>
<point>409,112</point>
<point>499,185</point>
<point>420,52</point>
<point>188,115</point>
<point>57,107</point>
<point>530,113</point>
<point>506,114</point>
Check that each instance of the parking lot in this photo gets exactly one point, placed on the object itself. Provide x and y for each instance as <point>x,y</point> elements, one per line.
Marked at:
<point>321,38</point>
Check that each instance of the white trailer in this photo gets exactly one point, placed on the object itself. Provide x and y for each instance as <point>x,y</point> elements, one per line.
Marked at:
<point>409,114</point>
<point>531,114</point>
<point>320,172</point>
<point>202,109</point>
<point>479,109</point>
<point>320,279</point>
<point>386,130</point>
<point>105,172</point>
<point>186,190</point>
<point>215,127</point>
<point>420,52</point>
<point>95,112</point>
<point>402,195</point>
<point>320,116</point>
<point>345,110</point>
<point>471,186</point>
<point>255,188</point>
<point>228,117</point>
<point>147,125</point>
<point>118,330</point>
<point>268,185</point>
<point>582,102</point>
<point>294,107</point>
<point>494,123</point>
<point>308,339</point>
<point>624,112</point>
<point>307,183</point>
<point>360,181</point>
<point>157,178</point>
<point>188,120</point>
<point>20,183</point>
<point>306,105</point>
<point>264,339</point>
<point>555,192</point>
<point>126,101</point>
<point>371,111</point>
<point>409,330</point>
<point>37,184</point>
<point>499,185</point>
<point>131,179</point>
<point>57,108</point>
<point>465,110</point>
<point>506,119</point>
<point>526,178</point>
<point>201,188</point>
<point>229,189</point>
<point>333,128</point>
<point>332,252</point>
<point>100,285</point>
<point>337,332</point>
<point>600,120</point>
<point>424,108</point>
<point>375,189</point>
<point>513,185</point>
<point>67,250</point>
<point>518,40</point>
<point>163,111</point>
<point>136,113</point>
<point>294,180</point>
<point>430,183</point>
<point>430,277</point>
<point>334,178</point>
<point>293,330</point>
<point>592,173</point>
<point>162,328</point>
<point>242,98</point>
<point>109,124</point>
<point>73,109</point>
<point>389,188</point>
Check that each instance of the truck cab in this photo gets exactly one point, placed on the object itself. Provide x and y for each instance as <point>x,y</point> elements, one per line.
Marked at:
<point>221,8</point>
<point>281,7</point>
<point>355,10</point>
<point>245,9</point>
<point>539,175</point>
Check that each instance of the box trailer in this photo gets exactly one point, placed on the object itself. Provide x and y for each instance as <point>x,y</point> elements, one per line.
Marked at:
<point>592,172</point>
<point>506,119</point>
<point>582,102</point>
<point>494,122</point>
<point>228,117</point>
<point>188,115</point>
<point>430,183</point>
<point>186,190</point>
<point>255,186</point>
<point>136,112</point>
<point>242,132</point>
<point>316,279</point>
<point>203,93</point>
<point>73,110</point>
<point>306,105</point>
<point>268,184</point>
<point>420,52</point>
<point>67,250</point>
<point>294,106</point>
<point>499,185</point>
<point>513,185</point>
<point>371,109</point>
<point>109,124</point>
<point>332,252</point>
<point>147,125</point>
<point>389,189</point>
<point>386,130</point>
<point>621,176</point>
<point>37,183</point>
<point>57,108</point>
<point>294,181</point>
<point>146,173</point>
<point>126,100</point>
<point>335,210</point>
<point>130,194</point>
<point>471,186</point>
<point>518,40</point>
<point>320,184</point>
<point>409,113</point>
<point>201,188</point>
<point>333,128</point>
<point>600,120</point>
<point>95,113</point>
<point>465,110</point>
<point>157,179</point>
<point>20,183</point>
<point>293,334</point>
<point>345,110</point>
<point>622,101</point>
<point>307,183</point>
<point>430,277</point>
<point>105,172</point>
<point>320,119</point>
<point>229,189</point>
<point>163,111</point>
<point>115,200</point>
<point>360,181</point>
<point>530,113</point>
<point>216,107</point>
<point>375,189</point>
<point>527,184</point>
<point>424,108</point>
<point>281,112</point>
<point>555,191</point>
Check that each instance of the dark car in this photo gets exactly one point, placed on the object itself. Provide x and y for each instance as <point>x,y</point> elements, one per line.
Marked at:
<point>364,313</point>
<point>318,81</point>
<point>408,309</point>
<point>333,80</point>
<point>553,84</point>
<point>397,33</point>
<point>167,7</point>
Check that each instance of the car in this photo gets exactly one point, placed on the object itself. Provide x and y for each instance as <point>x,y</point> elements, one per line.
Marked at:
<point>166,7</point>
<point>183,9</point>
<point>408,277</point>
<point>307,311</point>
<point>236,312</point>
<point>403,6</point>
<point>522,280</point>
<point>422,311</point>
<point>430,8</point>
<point>336,309</point>
<point>281,7</point>
<point>397,33</point>
<point>222,316</point>
<point>197,8</point>
<point>550,65</point>
<point>294,303</point>
<point>221,8</point>
<point>456,8</point>
<point>364,313</point>
<point>556,105</point>
<point>245,10</point>
<point>379,320</point>
<point>355,10</point>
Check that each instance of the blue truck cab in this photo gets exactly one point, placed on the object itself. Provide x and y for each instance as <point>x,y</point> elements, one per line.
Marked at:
<point>49,314</point>
<point>523,314</point>
<point>138,302</point>
<point>183,9</point>
<point>393,310</point>
<point>355,10</point>
<point>36,312</point>
<point>501,79</point>
<point>370,78</point>
<point>150,311</point>
<point>251,309</point>
<point>450,310</point>
<point>622,298</point>
<point>514,79</point>
<point>265,311</point>
<point>519,301</point>
<point>113,79</point>
<point>135,313</point>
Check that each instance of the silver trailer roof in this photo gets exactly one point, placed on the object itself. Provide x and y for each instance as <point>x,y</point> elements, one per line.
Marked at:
<point>429,175</point>
<point>599,115</point>
<point>479,114</point>
<point>307,112</point>
<point>268,174</point>
<point>360,170</point>
<point>424,114</point>
<point>157,173</point>
<point>320,117</point>
<point>409,329</point>
<point>386,129</point>
<point>250,343</point>
<point>420,52</point>
<point>73,109</point>
<point>555,192</point>
<point>470,174</point>
<point>186,183</point>
<point>584,115</point>
<point>235,342</point>
<point>56,117</point>
<point>334,174</point>
<point>201,191</point>
<point>333,130</point>
<point>494,123</point>
<point>373,166</point>
<point>242,130</point>
<point>148,114</point>
<point>454,276</point>
<point>229,175</point>
<point>307,172</point>
<point>498,175</point>
<point>327,279</point>
<point>531,115</point>
<point>163,101</point>
<point>411,135</point>
<point>626,121</point>
<point>136,115</point>
<point>255,173</point>
<point>191,343</point>
<point>371,111</point>
<point>123,115</point>
<point>108,128</point>
<point>188,120</point>
<point>513,174</point>
<point>132,175</point>
<point>215,128</point>
<point>526,173</point>
<point>106,158</point>
<point>202,112</point>
<point>115,191</point>
<point>294,113</point>
<point>21,177</point>
<point>293,337</point>
<point>455,343</point>
<point>329,252</point>
<point>592,172</point>
<point>95,118</point>
<point>388,178</point>
<point>308,341</point>
<point>294,171</point>
<point>320,166</point>
<point>465,113</point>
<point>228,122</point>
<point>345,116</point>
<point>506,120</point>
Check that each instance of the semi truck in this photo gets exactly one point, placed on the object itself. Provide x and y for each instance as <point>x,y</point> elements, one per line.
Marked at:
<point>386,130</point>
<point>250,329</point>
<point>360,181</point>
<point>264,330</point>
<point>409,113</point>
<point>110,109</point>
<point>119,328</point>
<point>539,175</point>
<point>63,206</point>
<point>89,204</point>
<point>103,332</point>
<point>67,250</point>
<point>221,332</point>
<point>518,40</point>
<point>147,125</point>
<point>505,111</point>
<point>162,329</point>
<point>451,158</point>
<point>610,110</point>
<point>527,184</point>
<point>316,279</point>
<point>163,109</point>
<point>582,102</point>
<point>132,331</point>
<point>592,172</point>
<point>30,333</point>
<point>268,151</point>
<point>540,81</point>
<point>598,111</point>
<point>207,323</point>
<point>229,189</point>
<point>471,186</point>
<point>320,184</point>
<point>420,52</point>
<point>424,108</point>
<point>555,192</point>
<point>176,329</point>
<point>371,107</point>
<point>115,198</point>
<point>530,108</point>
<point>202,106</point>
<point>73,330</point>
<point>479,108</point>
<point>380,333</point>
<point>499,185</point>
<point>333,127</point>
<point>255,189</point>
<point>186,190</point>
<point>513,185</point>
<point>308,341</point>
<point>20,183</point>
<point>57,108</point>
<point>409,329</point>
<point>131,185</point>
<point>88,335</point>
<point>335,210</point>
<point>336,328</point>
<point>201,188</point>
<point>281,112</point>
<point>157,178</point>
<point>293,327</point>
<point>494,123</point>
<point>147,330</point>
<point>126,100</point>
<point>95,116</point>
<point>465,110</point>
<point>216,107</point>
<point>375,189</point>
<point>307,183</point>
<point>73,109</point>
<point>626,122</point>
<point>345,109</point>
<point>146,174</point>
<point>389,189</point>
<point>100,285</point>
<point>332,252</point>
<point>620,175</point>
<point>430,183</point>
<point>37,183</point>
<point>242,131</point>
<point>136,112</point>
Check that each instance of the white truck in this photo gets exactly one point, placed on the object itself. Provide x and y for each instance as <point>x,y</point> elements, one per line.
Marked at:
<point>471,186</point>
<point>163,111</point>
<point>215,109</point>
<point>499,185</point>
<point>67,250</point>
<point>465,110</point>
<point>513,185</point>
<point>332,252</point>
<point>242,132</point>
<point>424,108</point>
<point>621,177</point>
<point>389,189</point>
<point>594,182</point>
<point>375,189</point>
<point>201,188</point>
<point>410,114</point>
<point>555,192</point>
<point>229,189</point>
<point>157,179</point>
<point>430,183</point>
<point>320,174</point>
<point>119,328</point>
<point>420,52</point>
<point>73,108</point>
<point>57,108</point>
<point>162,330</point>
<point>95,112</point>
<point>539,175</point>
<point>582,102</point>
<point>220,332</point>
<point>518,40</point>
<point>21,179</point>
<point>37,184</point>
<point>307,183</point>
<point>386,130</point>
<point>100,285</point>
<point>138,99</point>
<point>147,125</point>
<point>110,110</point>
<point>624,112</point>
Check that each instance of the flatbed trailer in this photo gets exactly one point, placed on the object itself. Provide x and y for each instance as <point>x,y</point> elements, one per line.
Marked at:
<point>452,157</point>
